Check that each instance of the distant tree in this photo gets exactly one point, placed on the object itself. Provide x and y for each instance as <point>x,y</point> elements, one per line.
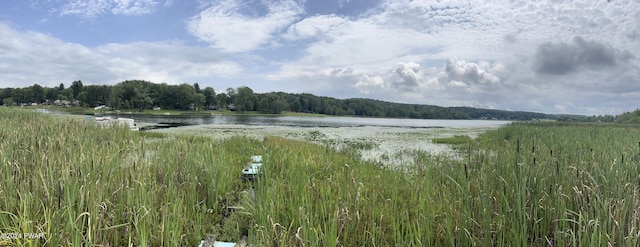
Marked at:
<point>196,87</point>
<point>61,87</point>
<point>82,98</point>
<point>131,94</point>
<point>231,93</point>
<point>183,96</point>
<point>62,97</point>
<point>141,99</point>
<point>96,95</point>
<point>209,96</point>
<point>244,99</point>
<point>324,107</point>
<point>115,98</point>
<point>223,99</point>
<point>629,117</point>
<point>51,93</point>
<point>23,95</point>
<point>198,99</point>
<point>164,95</point>
<point>76,87</point>
<point>271,103</point>
<point>8,101</point>
<point>38,93</point>
<point>295,106</point>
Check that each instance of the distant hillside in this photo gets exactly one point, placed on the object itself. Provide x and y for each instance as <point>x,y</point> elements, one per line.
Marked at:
<point>143,95</point>
<point>477,113</point>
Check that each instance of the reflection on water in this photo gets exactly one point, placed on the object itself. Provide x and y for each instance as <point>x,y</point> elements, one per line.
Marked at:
<point>310,121</point>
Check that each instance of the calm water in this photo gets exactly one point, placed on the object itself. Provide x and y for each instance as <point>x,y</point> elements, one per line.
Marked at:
<point>310,121</point>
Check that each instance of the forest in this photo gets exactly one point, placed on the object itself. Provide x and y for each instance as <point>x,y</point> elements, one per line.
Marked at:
<point>140,95</point>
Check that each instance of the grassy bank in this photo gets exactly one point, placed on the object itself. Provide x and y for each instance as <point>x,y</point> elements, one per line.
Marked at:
<point>523,184</point>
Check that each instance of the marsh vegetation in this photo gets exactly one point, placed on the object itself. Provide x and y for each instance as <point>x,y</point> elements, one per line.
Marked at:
<point>523,184</point>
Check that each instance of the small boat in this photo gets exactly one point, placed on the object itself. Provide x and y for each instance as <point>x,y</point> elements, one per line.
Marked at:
<point>253,168</point>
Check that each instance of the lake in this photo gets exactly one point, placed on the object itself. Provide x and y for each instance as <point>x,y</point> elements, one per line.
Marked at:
<point>309,121</point>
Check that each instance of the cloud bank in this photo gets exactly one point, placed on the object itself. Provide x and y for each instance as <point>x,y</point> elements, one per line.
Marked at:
<point>550,56</point>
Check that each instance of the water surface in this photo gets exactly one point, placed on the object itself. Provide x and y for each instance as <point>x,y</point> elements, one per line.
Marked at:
<point>310,121</point>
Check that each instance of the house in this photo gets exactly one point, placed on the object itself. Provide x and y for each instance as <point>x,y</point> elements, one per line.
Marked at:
<point>231,107</point>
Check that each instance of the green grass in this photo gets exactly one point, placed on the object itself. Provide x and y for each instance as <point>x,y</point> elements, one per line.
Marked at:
<point>83,185</point>
<point>455,140</point>
<point>541,184</point>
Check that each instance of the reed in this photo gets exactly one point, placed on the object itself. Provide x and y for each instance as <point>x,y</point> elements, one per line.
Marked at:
<point>523,184</point>
<point>79,184</point>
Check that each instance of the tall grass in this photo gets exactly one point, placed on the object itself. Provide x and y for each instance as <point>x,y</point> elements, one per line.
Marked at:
<point>79,184</point>
<point>520,185</point>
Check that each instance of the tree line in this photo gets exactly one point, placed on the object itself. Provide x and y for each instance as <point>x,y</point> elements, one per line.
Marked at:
<point>629,117</point>
<point>142,95</point>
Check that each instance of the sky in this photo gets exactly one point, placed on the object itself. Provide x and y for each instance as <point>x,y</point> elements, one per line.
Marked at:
<point>552,56</point>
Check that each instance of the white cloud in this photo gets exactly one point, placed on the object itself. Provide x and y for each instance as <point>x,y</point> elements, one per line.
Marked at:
<point>472,73</point>
<point>224,26</point>
<point>32,57</point>
<point>133,7</point>
<point>162,62</point>
<point>317,27</point>
<point>403,77</point>
<point>90,8</point>
<point>368,83</point>
<point>457,84</point>
<point>361,44</point>
<point>407,76</point>
<point>94,8</point>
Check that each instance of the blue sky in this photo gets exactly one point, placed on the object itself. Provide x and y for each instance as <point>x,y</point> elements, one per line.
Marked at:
<point>551,56</point>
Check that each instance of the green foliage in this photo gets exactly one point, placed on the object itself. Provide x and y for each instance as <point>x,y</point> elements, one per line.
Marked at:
<point>8,101</point>
<point>315,136</point>
<point>209,96</point>
<point>141,95</point>
<point>244,100</point>
<point>96,95</point>
<point>455,140</point>
<point>76,88</point>
<point>476,113</point>
<point>629,117</point>
<point>271,103</point>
